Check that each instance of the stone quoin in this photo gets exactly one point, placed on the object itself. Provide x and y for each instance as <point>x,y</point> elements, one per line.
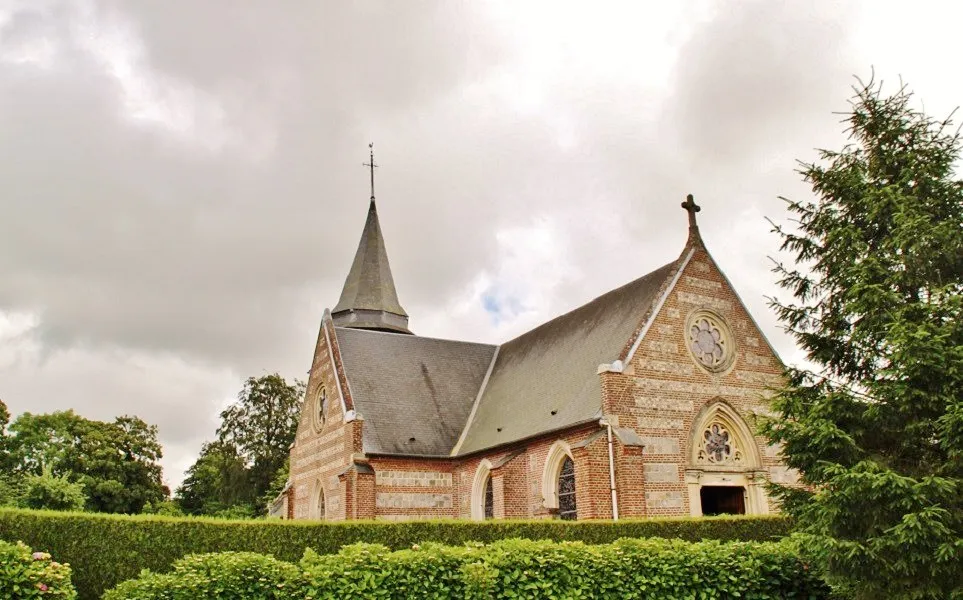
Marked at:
<point>639,403</point>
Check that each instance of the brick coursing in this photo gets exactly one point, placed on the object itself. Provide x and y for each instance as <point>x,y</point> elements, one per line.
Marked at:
<point>659,395</point>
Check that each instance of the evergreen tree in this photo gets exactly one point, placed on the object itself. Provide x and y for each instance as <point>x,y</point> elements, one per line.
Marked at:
<point>876,428</point>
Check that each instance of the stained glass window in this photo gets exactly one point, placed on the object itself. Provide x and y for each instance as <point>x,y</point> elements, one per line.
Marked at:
<point>489,499</point>
<point>566,491</point>
<point>718,446</point>
<point>321,503</point>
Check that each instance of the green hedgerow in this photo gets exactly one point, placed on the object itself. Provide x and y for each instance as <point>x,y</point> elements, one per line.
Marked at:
<point>105,550</point>
<point>630,568</point>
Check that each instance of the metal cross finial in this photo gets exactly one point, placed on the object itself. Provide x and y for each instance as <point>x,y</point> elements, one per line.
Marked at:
<point>371,165</point>
<point>692,208</point>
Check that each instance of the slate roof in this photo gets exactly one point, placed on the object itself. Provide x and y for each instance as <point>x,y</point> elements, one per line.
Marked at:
<point>414,393</point>
<point>554,367</point>
<point>369,288</point>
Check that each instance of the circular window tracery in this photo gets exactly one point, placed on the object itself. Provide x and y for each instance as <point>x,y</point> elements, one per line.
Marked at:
<point>709,341</point>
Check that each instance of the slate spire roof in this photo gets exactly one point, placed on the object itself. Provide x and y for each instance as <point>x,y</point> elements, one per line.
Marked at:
<point>369,299</point>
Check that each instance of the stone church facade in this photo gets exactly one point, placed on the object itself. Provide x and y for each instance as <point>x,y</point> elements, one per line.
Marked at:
<point>639,403</point>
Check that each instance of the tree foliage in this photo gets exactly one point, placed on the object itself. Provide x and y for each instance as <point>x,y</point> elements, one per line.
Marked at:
<point>116,462</point>
<point>262,424</point>
<point>216,481</point>
<point>50,492</point>
<point>876,427</point>
<point>235,473</point>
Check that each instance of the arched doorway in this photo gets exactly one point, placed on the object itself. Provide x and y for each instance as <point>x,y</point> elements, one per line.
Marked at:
<point>724,474</point>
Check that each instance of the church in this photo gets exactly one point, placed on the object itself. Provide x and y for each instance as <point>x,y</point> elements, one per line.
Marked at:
<point>640,403</point>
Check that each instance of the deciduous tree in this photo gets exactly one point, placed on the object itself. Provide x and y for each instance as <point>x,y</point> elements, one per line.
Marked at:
<point>261,425</point>
<point>117,463</point>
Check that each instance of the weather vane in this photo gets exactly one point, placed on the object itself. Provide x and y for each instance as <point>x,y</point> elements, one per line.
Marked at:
<point>371,165</point>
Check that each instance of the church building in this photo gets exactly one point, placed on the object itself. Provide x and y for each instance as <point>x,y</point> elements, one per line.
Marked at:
<point>639,403</point>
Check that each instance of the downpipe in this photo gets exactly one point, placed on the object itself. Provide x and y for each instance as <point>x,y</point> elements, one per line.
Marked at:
<point>615,499</point>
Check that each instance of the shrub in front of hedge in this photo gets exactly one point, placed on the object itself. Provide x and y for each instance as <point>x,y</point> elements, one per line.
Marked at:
<point>105,550</point>
<point>25,575</point>
<point>630,568</point>
<point>240,575</point>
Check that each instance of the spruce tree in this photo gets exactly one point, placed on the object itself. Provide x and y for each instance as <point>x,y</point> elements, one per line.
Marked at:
<point>875,423</point>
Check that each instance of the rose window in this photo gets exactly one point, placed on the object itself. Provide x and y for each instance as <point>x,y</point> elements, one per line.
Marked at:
<point>709,341</point>
<point>718,445</point>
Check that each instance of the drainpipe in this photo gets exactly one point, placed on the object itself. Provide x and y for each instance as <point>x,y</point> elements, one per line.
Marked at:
<point>615,500</point>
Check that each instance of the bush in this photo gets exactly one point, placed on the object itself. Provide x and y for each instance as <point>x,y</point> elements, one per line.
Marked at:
<point>25,574</point>
<point>225,576</point>
<point>107,549</point>
<point>46,491</point>
<point>629,568</point>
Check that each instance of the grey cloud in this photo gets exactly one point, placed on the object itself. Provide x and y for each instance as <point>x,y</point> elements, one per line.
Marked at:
<point>221,245</point>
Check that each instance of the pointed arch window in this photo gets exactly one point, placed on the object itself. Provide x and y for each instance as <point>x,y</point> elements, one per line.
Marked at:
<point>489,499</point>
<point>320,508</point>
<point>483,493</point>
<point>721,438</point>
<point>566,491</point>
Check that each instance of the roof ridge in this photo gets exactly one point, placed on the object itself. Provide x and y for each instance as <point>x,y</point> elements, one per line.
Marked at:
<point>589,303</point>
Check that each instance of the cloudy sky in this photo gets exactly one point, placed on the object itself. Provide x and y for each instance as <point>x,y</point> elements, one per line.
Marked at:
<point>181,188</point>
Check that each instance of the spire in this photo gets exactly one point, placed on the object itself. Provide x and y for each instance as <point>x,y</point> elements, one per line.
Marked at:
<point>692,208</point>
<point>369,299</point>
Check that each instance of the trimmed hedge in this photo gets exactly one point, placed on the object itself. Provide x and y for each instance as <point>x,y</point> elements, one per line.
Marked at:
<point>629,568</point>
<point>25,574</point>
<point>107,549</point>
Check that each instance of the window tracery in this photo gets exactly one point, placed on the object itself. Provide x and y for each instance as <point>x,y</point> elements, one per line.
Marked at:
<point>718,446</point>
<point>709,341</point>
<point>489,499</point>
<point>566,491</point>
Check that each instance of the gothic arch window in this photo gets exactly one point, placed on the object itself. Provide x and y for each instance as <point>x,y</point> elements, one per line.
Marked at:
<point>721,439</point>
<point>566,491</point>
<point>558,480</point>
<point>483,493</point>
<point>319,510</point>
<point>489,500</point>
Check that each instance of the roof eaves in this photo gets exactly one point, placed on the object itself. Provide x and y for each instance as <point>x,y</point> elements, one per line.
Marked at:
<point>594,419</point>
<point>336,359</point>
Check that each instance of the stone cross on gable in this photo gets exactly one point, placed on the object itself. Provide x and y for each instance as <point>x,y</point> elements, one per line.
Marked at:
<point>692,208</point>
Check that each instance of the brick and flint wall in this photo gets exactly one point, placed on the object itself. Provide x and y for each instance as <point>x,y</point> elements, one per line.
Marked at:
<point>320,454</point>
<point>659,395</point>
